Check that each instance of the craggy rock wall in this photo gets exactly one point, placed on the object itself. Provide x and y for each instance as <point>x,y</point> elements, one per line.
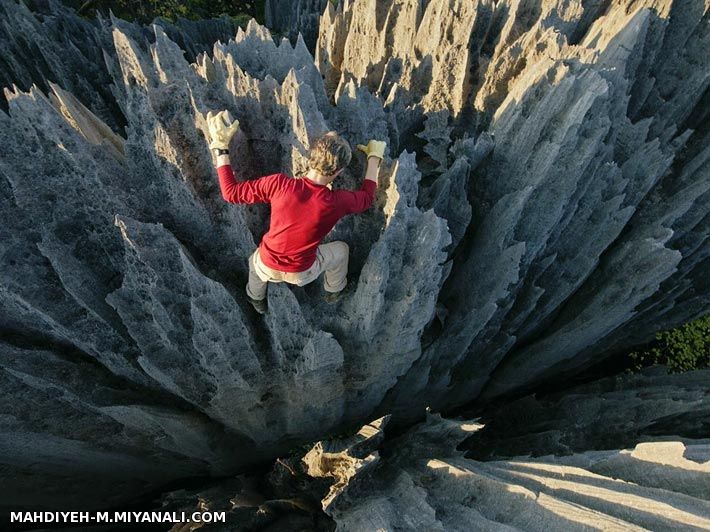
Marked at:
<point>544,203</point>
<point>54,45</point>
<point>589,216</point>
<point>293,17</point>
<point>424,483</point>
<point>614,454</point>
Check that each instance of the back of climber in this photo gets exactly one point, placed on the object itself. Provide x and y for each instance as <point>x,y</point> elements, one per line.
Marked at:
<point>303,211</point>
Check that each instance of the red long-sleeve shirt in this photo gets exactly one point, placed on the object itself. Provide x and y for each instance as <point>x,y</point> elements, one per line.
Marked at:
<point>302,213</point>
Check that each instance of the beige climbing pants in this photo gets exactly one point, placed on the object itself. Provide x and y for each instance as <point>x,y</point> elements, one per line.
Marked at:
<point>331,258</point>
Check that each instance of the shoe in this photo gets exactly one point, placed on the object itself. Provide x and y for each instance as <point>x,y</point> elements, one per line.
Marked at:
<point>258,304</point>
<point>332,297</point>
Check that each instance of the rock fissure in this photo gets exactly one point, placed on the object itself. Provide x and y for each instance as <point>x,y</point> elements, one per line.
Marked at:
<point>543,205</point>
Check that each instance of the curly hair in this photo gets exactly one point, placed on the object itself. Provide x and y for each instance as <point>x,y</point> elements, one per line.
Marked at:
<point>329,153</point>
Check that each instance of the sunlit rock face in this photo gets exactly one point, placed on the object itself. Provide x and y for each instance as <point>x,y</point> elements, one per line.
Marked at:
<point>424,483</point>
<point>590,215</point>
<point>543,205</point>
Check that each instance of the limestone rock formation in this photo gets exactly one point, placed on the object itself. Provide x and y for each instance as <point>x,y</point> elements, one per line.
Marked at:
<point>50,44</point>
<point>343,459</point>
<point>291,18</point>
<point>613,412</point>
<point>430,477</point>
<point>425,484</point>
<point>591,205</point>
<point>543,205</point>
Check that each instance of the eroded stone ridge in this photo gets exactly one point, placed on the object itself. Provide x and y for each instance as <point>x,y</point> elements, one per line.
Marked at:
<point>425,484</point>
<point>543,205</point>
<point>431,477</point>
<point>293,18</point>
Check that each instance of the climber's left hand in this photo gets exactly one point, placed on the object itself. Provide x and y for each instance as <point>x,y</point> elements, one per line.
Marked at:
<point>374,148</point>
<point>221,129</point>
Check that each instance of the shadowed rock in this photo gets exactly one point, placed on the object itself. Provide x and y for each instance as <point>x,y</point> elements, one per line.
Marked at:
<point>543,205</point>
<point>421,480</point>
<point>293,18</point>
<point>425,484</point>
<point>612,412</point>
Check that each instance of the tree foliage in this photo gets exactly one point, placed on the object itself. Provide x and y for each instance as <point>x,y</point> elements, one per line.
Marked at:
<point>682,349</point>
<point>145,11</point>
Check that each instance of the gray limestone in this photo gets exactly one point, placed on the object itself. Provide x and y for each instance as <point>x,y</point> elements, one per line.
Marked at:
<point>291,18</point>
<point>543,205</point>
<point>613,412</point>
<point>425,479</point>
<point>424,483</point>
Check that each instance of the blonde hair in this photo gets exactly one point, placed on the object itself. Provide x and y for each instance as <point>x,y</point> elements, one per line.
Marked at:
<point>329,153</point>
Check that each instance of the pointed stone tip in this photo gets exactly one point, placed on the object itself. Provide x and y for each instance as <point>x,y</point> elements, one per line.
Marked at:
<point>158,31</point>
<point>35,90</point>
<point>291,76</point>
<point>300,43</point>
<point>9,92</point>
<point>53,85</point>
<point>251,24</point>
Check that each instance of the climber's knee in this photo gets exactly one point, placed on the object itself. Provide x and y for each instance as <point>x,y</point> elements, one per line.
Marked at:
<point>256,290</point>
<point>341,250</point>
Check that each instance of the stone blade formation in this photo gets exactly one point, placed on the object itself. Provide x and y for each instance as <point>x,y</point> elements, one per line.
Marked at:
<point>543,207</point>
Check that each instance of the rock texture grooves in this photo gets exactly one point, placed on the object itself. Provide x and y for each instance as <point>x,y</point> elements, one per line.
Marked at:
<point>589,216</point>
<point>291,18</point>
<point>612,412</point>
<point>425,484</point>
<point>543,205</point>
<point>53,45</point>
<point>425,479</point>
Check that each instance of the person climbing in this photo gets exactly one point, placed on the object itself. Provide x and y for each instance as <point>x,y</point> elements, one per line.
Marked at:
<point>303,211</point>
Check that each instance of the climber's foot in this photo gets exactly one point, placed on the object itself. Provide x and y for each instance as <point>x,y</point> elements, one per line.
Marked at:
<point>258,304</point>
<point>332,297</point>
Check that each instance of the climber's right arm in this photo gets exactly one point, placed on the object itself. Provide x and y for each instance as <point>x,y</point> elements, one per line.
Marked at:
<point>253,191</point>
<point>221,129</point>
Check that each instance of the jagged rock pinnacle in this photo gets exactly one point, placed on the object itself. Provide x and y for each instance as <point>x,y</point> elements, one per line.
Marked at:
<point>544,204</point>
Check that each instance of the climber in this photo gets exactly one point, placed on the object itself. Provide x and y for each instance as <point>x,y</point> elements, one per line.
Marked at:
<point>303,211</point>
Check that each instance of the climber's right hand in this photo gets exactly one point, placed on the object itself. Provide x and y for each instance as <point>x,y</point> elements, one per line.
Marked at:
<point>374,148</point>
<point>221,128</point>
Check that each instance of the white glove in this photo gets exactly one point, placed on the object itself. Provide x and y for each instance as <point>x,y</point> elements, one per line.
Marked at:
<point>221,128</point>
<point>374,148</point>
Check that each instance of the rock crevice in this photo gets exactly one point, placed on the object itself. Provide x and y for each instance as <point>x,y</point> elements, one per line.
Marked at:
<point>543,206</point>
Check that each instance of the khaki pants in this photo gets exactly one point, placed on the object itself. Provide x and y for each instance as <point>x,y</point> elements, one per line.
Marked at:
<point>331,258</point>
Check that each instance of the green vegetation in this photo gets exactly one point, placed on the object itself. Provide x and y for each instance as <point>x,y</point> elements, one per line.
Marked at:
<point>144,11</point>
<point>682,349</point>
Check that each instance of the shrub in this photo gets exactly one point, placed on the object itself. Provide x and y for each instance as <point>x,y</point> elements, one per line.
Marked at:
<point>144,11</point>
<point>684,348</point>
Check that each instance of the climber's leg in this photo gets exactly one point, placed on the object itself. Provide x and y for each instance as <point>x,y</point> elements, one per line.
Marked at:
<point>334,261</point>
<point>304,277</point>
<point>256,287</point>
